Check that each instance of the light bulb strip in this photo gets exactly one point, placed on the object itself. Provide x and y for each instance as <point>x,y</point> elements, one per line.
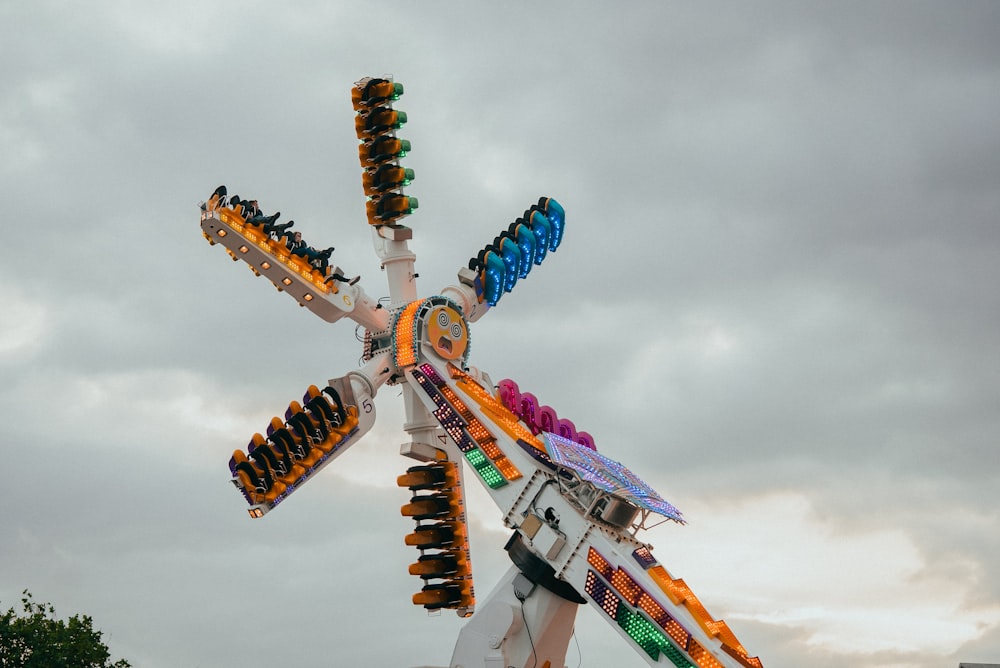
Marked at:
<point>294,264</point>
<point>497,412</point>
<point>633,594</point>
<point>455,427</point>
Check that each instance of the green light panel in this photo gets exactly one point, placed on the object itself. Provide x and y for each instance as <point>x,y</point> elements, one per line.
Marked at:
<point>489,473</point>
<point>643,632</point>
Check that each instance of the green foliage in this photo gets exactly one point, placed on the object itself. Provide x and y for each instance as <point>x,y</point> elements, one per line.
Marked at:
<point>36,639</point>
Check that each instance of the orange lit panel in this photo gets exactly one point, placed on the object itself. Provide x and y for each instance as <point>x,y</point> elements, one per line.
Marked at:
<point>702,656</point>
<point>490,448</point>
<point>649,605</point>
<point>697,610</point>
<point>662,578</point>
<point>232,219</point>
<point>497,412</point>
<point>676,632</point>
<point>600,564</point>
<point>506,420</point>
<point>626,586</point>
<point>460,407</point>
<point>507,468</point>
<point>479,433</point>
<point>680,593</point>
<point>405,343</point>
<point>746,661</point>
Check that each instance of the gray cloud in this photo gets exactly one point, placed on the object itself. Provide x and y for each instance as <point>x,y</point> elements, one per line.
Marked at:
<point>777,282</point>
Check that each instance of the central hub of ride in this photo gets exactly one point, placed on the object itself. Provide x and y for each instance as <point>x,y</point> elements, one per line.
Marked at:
<point>432,325</point>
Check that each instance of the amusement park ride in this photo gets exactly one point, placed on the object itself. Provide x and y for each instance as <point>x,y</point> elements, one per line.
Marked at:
<point>575,514</point>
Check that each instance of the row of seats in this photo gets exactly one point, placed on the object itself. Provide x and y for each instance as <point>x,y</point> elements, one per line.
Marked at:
<point>376,124</point>
<point>524,243</point>
<point>246,209</point>
<point>281,242</point>
<point>294,447</point>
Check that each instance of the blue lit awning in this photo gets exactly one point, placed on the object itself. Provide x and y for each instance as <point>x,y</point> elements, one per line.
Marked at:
<point>607,474</point>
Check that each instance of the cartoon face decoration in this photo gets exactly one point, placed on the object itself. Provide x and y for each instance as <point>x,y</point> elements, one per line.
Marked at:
<point>446,332</point>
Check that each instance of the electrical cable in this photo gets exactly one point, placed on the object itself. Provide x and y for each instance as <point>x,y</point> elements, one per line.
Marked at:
<point>531,640</point>
<point>579,653</point>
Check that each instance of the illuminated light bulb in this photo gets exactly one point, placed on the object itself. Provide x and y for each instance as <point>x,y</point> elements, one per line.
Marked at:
<point>644,557</point>
<point>496,411</point>
<point>222,233</point>
<point>265,265</point>
<point>466,444</point>
<point>431,374</point>
<point>702,656</point>
<point>676,631</point>
<point>244,248</point>
<point>286,280</point>
<point>485,469</point>
<point>480,433</point>
<point>405,339</point>
<point>626,586</point>
<point>648,604</point>
<point>476,458</point>
<point>507,468</point>
<point>491,450</point>
<point>308,298</point>
<point>595,559</point>
<point>601,595</point>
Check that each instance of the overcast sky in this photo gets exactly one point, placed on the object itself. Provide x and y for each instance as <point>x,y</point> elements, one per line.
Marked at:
<point>776,302</point>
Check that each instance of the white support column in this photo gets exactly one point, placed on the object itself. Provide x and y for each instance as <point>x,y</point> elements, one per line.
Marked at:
<point>397,260</point>
<point>520,625</point>
<point>422,428</point>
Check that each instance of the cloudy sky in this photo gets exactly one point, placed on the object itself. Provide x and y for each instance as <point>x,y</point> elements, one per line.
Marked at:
<point>776,302</point>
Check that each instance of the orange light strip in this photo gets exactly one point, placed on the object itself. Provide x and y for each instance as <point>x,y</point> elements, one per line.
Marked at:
<point>275,248</point>
<point>680,594</point>
<point>702,656</point>
<point>459,406</point>
<point>600,564</point>
<point>490,448</point>
<point>481,435</point>
<point>507,468</point>
<point>497,412</point>
<point>405,335</point>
